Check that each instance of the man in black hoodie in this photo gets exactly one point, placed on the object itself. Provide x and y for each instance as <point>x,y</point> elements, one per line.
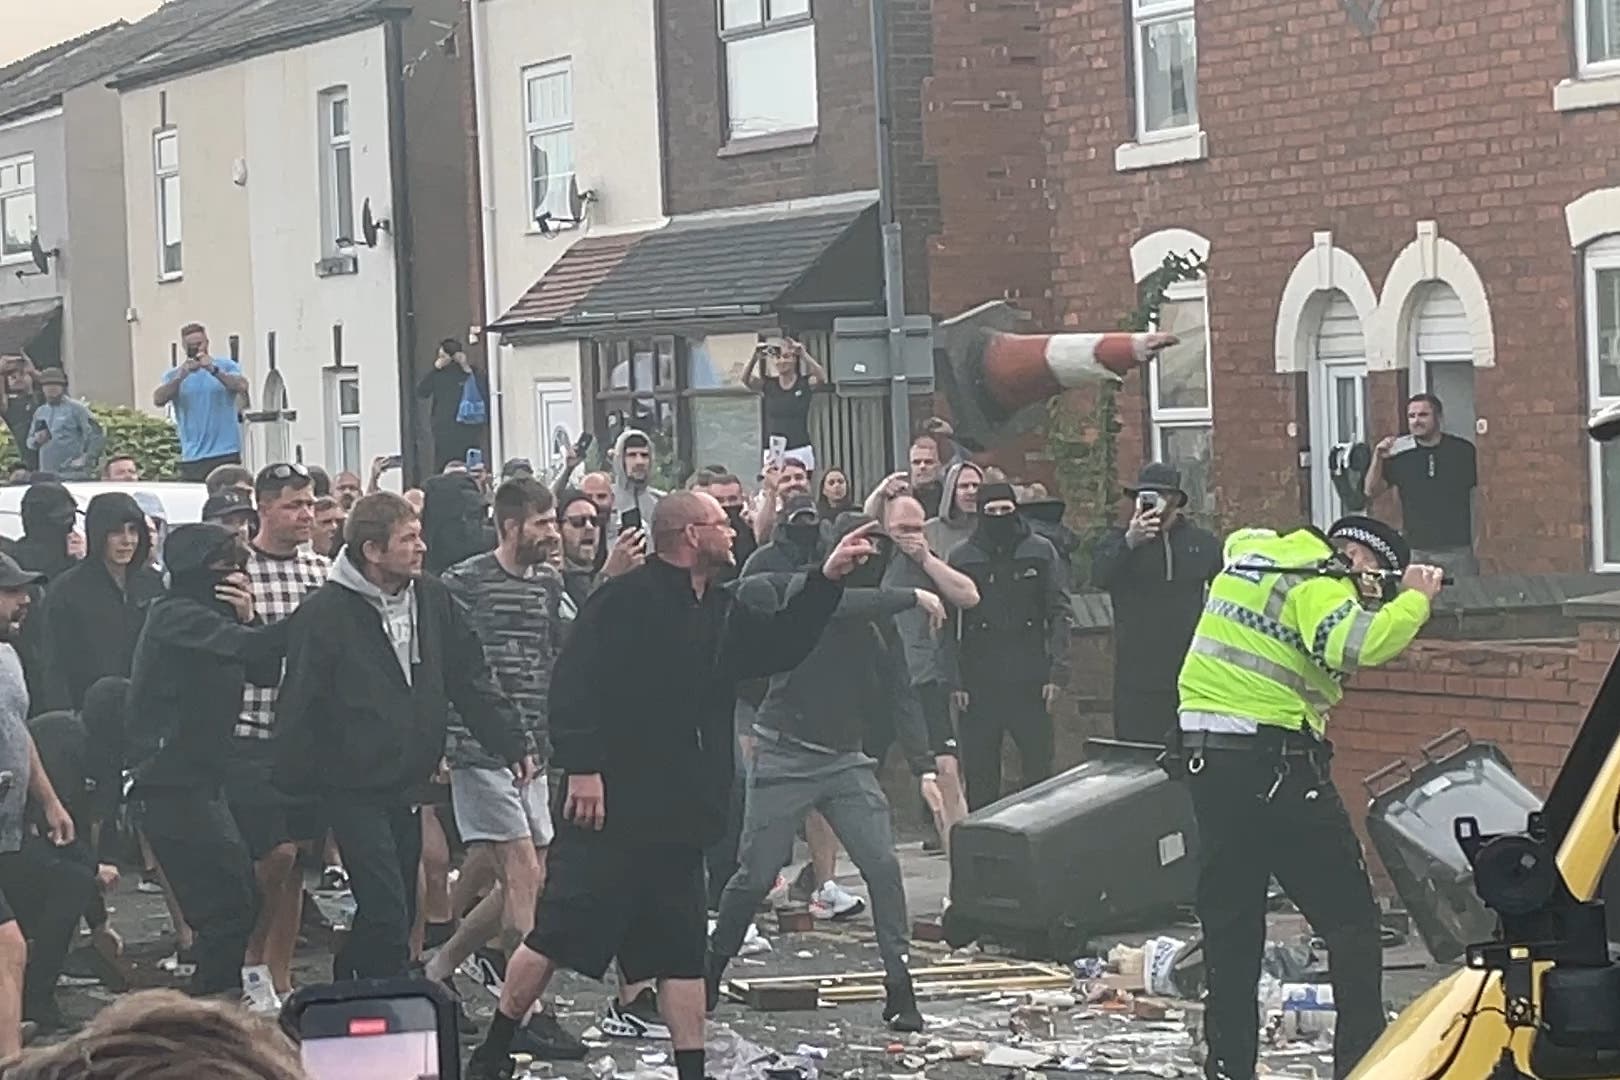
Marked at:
<point>455,521</point>
<point>49,513</point>
<point>811,728</point>
<point>198,648</point>
<point>649,762</point>
<point>94,611</point>
<point>375,658</point>
<point>1011,652</point>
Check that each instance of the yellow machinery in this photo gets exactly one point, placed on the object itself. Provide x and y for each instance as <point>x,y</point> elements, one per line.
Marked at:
<point>1544,1000</point>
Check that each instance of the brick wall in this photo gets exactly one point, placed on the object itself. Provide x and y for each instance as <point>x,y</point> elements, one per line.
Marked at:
<point>843,155</point>
<point>1444,114</point>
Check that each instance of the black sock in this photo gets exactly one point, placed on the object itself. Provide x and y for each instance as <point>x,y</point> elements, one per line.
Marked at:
<point>689,1064</point>
<point>498,1043</point>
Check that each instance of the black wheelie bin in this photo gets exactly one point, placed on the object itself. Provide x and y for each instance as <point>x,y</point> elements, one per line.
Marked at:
<point>1410,824</point>
<point>1110,844</point>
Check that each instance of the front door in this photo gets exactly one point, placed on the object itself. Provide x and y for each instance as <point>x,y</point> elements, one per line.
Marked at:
<point>556,422</point>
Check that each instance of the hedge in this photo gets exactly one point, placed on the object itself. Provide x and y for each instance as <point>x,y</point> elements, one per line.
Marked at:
<point>150,440</point>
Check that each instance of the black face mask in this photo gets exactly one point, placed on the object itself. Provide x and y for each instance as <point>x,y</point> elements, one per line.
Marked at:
<point>1001,530</point>
<point>734,514</point>
<point>804,535</point>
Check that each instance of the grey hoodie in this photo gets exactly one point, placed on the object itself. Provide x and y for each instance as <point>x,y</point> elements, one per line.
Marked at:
<point>397,611</point>
<point>952,526</point>
<point>631,494</point>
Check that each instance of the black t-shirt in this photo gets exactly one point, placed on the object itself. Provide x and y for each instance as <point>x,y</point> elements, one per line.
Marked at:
<point>787,412</point>
<point>1436,484</point>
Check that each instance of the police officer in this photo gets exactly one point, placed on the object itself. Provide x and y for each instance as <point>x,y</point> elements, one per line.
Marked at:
<point>1286,621</point>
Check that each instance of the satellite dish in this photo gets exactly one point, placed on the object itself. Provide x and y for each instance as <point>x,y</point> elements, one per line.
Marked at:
<point>576,200</point>
<point>42,258</point>
<point>371,226</point>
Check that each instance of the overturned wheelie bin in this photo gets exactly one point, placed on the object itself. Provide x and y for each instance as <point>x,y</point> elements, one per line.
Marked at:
<point>1410,823</point>
<point>1108,845</point>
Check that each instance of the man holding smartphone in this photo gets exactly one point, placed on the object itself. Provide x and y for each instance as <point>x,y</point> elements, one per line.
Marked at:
<point>1156,570</point>
<point>205,391</point>
<point>1436,475</point>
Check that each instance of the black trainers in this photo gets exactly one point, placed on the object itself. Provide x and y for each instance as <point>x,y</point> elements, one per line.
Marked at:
<point>900,1007</point>
<point>545,1039</point>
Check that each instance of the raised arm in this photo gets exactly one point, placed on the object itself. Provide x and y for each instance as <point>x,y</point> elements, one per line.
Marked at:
<point>750,376</point>
<point>1344,636</point>
<point>813,371</point>
<point>169,388</point>
<point>1375,483</point>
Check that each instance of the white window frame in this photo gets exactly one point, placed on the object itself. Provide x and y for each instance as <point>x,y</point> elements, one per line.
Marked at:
<point>1599,256</point>
<point>1164,418</point>
<point>333,228</point>
<point>342,421</point>
<point>766,24</point>
<point>1145,13</point>
<point>1584,67</point>
<point>17,191</point>
<point>535,128</point>
<point>162,173</point>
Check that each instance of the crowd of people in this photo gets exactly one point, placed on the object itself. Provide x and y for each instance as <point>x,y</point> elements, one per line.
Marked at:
<point>324,673</point>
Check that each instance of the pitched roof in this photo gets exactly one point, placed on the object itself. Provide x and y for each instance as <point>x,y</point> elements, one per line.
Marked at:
<point>225,30</point>
<point>39,81</point>
<point>703,266</point>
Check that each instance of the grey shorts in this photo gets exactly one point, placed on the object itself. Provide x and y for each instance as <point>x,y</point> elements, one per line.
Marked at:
<point>489,808</point>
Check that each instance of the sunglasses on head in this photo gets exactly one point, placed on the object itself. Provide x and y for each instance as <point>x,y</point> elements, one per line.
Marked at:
<point>284,471</point>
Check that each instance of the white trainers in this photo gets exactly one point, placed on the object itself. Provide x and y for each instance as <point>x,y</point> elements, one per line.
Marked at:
<point>833,901</point>
<point>259,992</point>
<point>754,942</point>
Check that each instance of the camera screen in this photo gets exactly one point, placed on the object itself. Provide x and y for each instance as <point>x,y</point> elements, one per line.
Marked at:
<point>378,1039</point>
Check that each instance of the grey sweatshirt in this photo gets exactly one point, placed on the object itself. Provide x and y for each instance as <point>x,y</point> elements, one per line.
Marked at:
<point>397,611</point>
<point>952,526</point>
<point>74,448</point>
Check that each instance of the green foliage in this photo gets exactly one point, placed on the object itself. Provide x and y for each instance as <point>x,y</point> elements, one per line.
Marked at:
<point>151,440</point>
<point>1082,438</point>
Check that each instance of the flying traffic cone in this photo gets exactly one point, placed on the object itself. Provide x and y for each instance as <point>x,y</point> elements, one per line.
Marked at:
<point>993,370</point>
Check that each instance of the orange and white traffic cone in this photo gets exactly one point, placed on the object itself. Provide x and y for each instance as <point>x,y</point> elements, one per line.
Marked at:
<point>991,373</point>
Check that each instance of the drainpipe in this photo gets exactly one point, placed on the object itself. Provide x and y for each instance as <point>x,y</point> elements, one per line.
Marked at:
<point>486,198</point>
<point>404,253</point>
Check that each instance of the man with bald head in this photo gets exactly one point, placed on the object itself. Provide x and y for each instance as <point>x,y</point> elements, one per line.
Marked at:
<point>648,764</point>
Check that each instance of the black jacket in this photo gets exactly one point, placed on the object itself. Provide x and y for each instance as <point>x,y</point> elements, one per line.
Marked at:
<point>349,722</point>
<point>185,697</point>
<point>1019,632</point>
<point>854,681</point>
<point>643,694</point>
<point>455,523</point>
<point>1158,594</point>
<point>90,623</point>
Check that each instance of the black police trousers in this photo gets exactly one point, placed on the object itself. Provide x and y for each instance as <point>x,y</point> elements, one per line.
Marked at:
<point>1250,827</point>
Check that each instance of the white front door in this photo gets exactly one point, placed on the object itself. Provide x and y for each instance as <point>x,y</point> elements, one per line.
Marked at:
<point>1338,388</point>
<point>556,424</point>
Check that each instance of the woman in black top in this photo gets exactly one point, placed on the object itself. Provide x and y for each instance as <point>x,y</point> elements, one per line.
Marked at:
<point>835,497</point>
<point>788,387</point>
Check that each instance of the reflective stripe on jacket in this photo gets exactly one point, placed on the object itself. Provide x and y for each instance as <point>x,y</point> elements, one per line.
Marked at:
<point>1274,647</point>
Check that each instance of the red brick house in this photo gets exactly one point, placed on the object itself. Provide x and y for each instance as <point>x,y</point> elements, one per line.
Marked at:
<point>1392,195</point>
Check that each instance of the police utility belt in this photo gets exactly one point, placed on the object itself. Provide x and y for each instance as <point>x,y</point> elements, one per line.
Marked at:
<point>1187,752</point>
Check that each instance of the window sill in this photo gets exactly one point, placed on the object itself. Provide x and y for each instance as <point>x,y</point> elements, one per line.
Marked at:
<point>337,266</point>
<point>1193,146</point>
<point>759,144</point>
<point>1593,91</point>
<point>169,279</point>
<point>17,259</point>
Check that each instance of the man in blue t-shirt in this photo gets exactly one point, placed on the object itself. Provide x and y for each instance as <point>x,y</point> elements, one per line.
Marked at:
<point>204,391</point>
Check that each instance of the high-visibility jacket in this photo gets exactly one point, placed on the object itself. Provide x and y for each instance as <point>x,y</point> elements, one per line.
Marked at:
<point>1273,647</point>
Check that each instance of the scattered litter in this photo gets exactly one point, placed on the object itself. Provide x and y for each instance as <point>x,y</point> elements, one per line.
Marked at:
<point>604,1067</point>
<point>754,943</point>
<point>654,1057</point>
<point>806,1050</point>
<point>805,954</point>
<point>1013,1057</point>
<point>590,1033</point>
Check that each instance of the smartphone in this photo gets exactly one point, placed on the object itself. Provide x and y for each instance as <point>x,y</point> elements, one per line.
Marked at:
<point>475,459</point>
<point>1148,501</point>
<point>1403,443</point>
<point>777,453</point>
<point>582,444</point>
<point>394,461</point>
<point>378,1029</point>
<point>630,519</point>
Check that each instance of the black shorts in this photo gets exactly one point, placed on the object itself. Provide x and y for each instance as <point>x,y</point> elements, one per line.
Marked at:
<point>603,899</point>
<point>6,914</point>
<point>195,472</point>
<point>266,826</point>
<point>935,698</point>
